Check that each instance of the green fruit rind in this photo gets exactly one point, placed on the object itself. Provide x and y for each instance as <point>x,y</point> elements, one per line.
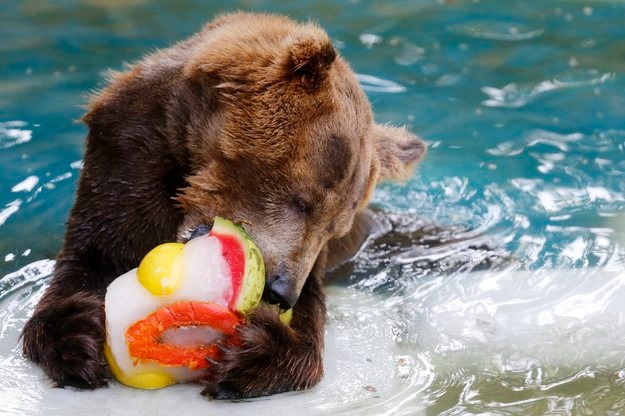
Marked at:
<point>254,274</point>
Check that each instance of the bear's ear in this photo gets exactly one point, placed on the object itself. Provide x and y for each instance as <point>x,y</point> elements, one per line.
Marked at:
<point>397,151</point>
<point>309,57</point>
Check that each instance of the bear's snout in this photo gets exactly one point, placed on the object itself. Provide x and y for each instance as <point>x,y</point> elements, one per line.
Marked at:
<point>280,289</point>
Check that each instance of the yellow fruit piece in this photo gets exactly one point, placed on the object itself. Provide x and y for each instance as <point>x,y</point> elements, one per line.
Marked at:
<point>143,380</point>
<point>160,270</point>
<point>286,316</point>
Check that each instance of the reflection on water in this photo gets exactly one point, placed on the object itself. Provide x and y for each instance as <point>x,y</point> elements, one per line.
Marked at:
<point>493,282</point>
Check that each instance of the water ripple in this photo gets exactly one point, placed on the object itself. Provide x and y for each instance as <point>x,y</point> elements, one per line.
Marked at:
<point>26,185</point>
<point>495,31</point>
<point>13,133</point>
<point>373,84</point>
<point>534,138</point>
<point>513,95</point>
<point>10,209</point>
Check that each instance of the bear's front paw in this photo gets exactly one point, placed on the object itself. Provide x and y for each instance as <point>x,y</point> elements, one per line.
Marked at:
<point>265,357</point>
<point>67,340</point>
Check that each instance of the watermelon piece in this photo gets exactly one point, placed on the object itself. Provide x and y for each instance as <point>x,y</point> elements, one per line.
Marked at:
<point>247,269</point>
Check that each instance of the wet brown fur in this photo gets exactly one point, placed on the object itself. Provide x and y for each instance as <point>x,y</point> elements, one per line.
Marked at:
<point>255,118</point>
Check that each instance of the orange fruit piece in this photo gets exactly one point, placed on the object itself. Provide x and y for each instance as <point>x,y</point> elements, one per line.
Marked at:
<point>145,337</point>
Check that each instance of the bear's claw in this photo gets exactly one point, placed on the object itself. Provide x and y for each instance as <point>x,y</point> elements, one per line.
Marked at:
<point>67,340</point>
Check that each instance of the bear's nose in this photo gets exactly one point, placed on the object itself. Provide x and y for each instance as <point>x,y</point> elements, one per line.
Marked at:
<point>278,290</point>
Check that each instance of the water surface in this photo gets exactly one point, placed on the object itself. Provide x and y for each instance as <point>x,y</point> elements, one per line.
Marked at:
<point>494,283</point>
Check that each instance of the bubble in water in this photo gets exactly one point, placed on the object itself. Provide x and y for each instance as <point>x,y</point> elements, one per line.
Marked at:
<point>370,39</point>
<point>406,51</point>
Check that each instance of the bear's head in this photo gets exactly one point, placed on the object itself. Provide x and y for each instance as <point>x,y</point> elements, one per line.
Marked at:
<point>291,150</point>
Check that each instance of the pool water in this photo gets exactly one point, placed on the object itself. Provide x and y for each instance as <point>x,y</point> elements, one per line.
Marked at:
<point>494,282</point>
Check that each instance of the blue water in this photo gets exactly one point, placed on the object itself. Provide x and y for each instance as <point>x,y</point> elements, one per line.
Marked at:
<point>522,105</point>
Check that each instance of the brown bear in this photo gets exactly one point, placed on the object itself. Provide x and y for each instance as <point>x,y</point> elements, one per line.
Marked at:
<point>256,118</point>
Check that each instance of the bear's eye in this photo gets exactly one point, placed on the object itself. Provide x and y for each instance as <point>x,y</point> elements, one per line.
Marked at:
<point>302,206</point>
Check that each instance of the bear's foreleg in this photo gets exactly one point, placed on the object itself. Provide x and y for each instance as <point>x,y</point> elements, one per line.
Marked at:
<point>66,333</point>
<point>269,357</point>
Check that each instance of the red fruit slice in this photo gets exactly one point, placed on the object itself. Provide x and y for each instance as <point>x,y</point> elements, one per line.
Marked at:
<point>145,337</point>
<point>247,269</point>
<point>233,254</point>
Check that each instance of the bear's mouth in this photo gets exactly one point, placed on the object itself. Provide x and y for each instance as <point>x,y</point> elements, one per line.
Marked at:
<point>199,230</point>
